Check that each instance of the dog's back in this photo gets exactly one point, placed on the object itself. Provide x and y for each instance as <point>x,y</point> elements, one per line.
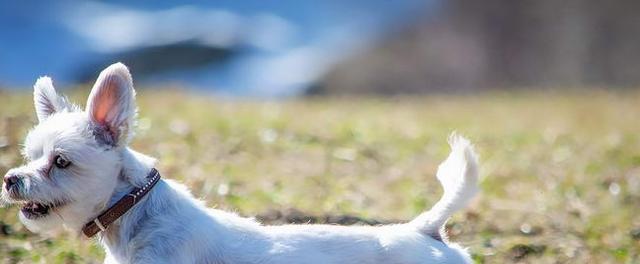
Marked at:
<point>227,238</point>
<point>420,241</point>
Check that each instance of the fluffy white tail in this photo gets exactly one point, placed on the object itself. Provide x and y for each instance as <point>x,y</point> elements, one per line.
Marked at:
<point>458,175</point>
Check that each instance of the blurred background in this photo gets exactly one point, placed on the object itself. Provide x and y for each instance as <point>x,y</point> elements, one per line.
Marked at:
<point>338,112</point>
<point>292,48</point>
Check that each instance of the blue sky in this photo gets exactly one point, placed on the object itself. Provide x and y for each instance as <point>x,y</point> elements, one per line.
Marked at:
<point>285,45</point>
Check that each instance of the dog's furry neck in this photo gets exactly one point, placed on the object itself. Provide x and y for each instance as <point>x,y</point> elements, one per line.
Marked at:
<point>135,167</point>
<point>158,224</point>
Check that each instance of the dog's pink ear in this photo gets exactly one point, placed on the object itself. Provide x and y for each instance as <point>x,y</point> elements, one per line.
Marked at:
<point>111,105</point>
<point>46,100</point>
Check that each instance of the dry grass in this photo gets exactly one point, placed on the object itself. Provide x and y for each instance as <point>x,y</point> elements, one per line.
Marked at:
<point>562,171</point>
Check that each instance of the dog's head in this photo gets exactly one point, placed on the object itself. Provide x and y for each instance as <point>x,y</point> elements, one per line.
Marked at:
<point>73,158</point>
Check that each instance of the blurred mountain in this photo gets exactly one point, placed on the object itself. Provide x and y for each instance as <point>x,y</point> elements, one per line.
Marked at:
<point>145,62</point>
<point>471,45</point>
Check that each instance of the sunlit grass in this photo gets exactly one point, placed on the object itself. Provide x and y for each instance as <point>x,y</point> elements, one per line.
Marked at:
<point>561,170</point>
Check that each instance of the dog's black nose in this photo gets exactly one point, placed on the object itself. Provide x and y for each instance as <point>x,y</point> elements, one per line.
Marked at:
<point>10,180</point>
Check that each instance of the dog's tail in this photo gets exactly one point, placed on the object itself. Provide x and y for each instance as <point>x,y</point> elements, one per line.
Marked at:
<point>458,175</point>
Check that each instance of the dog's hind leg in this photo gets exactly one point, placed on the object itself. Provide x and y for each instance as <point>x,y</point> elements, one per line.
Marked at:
<point>458,175</point>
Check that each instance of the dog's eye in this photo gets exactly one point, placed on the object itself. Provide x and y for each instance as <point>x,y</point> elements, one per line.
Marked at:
<point>62,162</point>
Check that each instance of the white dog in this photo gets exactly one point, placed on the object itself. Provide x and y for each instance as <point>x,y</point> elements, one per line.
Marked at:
<point>81,175</point>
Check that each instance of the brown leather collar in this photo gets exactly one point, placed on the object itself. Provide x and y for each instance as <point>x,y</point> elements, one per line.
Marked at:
<point>123,205</point>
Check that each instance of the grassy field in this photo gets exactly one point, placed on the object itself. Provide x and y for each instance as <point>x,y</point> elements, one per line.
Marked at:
<point>561,171</point>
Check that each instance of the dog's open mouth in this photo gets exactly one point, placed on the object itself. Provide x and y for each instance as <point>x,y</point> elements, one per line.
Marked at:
<point>33,210</point>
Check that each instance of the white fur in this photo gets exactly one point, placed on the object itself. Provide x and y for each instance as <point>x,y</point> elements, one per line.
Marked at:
<point>170,226</point>
<point>46,100</point>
